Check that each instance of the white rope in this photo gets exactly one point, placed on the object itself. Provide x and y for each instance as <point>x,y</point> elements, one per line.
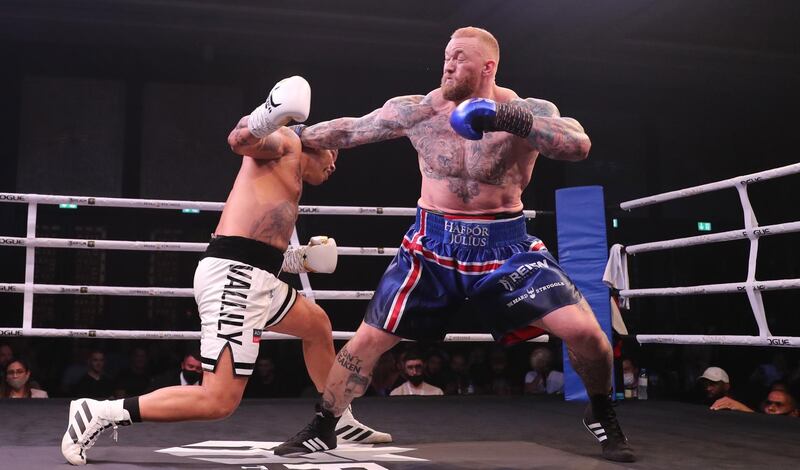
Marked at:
<point>705,188</point>
<point>722,340</point>
<point>778,284</point>
<point>740,234</point>
<point>205,205</point>
<point>195,335</point>
<point>57,289</point>
<point>159,246</point>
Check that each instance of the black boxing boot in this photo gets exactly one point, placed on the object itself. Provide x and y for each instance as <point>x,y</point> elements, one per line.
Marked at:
<point>318,436</point>
<point>601,420</point>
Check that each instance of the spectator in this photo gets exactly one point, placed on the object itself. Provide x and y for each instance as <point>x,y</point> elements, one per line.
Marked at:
<point>630,378</point>
<point>458,381</point>
<point>6,353</point>
<point>780,402</point>
<point>265,382</point>
<point>135,379</point>
<point>17,381</point>
<point>479,372</point>
<point>76,369</point>
<point>500,380</point>
<point>190,373</point>
<point>434,369</point>
<point>767,373</point>
<point>716,384</point>
<point>386,376</point>
<point>543,379</point>
<point>95,383</point>
<point>415,383</point>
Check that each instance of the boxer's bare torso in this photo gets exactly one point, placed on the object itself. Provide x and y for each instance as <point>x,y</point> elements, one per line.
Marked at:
<point>263,203</point>
<point>458,175</point>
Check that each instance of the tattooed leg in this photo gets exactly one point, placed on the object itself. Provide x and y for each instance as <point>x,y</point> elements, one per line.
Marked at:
<point>352,370</point>
<point>589,349</point>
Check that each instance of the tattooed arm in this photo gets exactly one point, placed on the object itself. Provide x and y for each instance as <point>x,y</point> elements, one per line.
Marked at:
<point>271,147</point>
<point>387,122</point>
<point>556,137</point>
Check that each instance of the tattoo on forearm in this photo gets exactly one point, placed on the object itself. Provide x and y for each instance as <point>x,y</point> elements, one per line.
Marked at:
<point>555,137</point>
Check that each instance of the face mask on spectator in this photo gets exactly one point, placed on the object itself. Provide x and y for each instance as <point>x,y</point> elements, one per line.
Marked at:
<point>17,383</point>
<point>191,376</point>
<point>627,379</point>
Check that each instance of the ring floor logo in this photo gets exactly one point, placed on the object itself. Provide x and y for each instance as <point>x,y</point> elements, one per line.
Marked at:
<point>257,455</point>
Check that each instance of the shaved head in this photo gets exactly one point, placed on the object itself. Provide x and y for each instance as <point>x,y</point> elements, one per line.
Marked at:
<point>488,42</point>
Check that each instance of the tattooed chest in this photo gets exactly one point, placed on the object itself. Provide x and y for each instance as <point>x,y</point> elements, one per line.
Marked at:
<point>444,155</point>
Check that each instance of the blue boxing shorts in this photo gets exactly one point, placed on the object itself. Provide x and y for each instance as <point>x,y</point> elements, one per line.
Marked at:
<point>491,261</point>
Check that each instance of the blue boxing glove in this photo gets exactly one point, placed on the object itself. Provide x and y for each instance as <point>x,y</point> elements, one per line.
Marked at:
<point>475,116</point>
<point>469,119</point>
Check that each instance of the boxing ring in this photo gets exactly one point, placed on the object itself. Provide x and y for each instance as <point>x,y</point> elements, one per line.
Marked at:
<point>430,433</point>
<point>750,286</point>
<point>28,289</point>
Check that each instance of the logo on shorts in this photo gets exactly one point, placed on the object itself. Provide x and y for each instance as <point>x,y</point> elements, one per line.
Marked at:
<point>466,234</point>
<point>529,294</point>
<point>549,286</point>
<point>232,307</point>
<point>511,281</point>
<point>257,336</point>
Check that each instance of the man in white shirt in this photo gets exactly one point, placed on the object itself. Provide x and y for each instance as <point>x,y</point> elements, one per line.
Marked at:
<point>543,379</point>
<point>415,385</point>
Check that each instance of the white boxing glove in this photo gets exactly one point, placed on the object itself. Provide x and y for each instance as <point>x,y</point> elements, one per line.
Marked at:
<point>289,99</point>
<point>319,256</point>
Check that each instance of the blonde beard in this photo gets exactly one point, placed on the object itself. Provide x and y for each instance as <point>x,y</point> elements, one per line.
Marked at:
<point>460,91</point>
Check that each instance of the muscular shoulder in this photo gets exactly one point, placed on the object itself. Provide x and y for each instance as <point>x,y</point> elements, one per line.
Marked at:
<point>539,107</point>
<point>406,110</point>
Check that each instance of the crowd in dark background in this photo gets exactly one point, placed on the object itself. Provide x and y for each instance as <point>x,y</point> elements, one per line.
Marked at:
<point>103,369</point>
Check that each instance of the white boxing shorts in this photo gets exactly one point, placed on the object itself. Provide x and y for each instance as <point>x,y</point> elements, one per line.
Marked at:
<point>238,296</point>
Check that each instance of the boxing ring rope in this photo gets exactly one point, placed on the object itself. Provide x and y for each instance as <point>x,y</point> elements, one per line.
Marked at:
<point>31,242</point>
<point>750,286</point>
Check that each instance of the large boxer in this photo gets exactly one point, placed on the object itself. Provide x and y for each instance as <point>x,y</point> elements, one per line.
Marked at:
<point>477,144</point>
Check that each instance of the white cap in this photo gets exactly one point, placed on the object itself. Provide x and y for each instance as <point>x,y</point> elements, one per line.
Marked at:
<point>715,374</point>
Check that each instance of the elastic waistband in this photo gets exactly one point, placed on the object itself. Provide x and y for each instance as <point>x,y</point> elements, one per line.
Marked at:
<point>246,250</point>
<point>471,230</point>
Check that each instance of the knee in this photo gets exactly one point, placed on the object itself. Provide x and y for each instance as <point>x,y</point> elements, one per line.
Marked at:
<point>589,338</point>
<point>224,408</point>
<point>219,405</point>
<point>321,325</point>
<point>370,342</point>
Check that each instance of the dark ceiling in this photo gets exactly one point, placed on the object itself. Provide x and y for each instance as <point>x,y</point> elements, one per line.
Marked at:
<point>732,44</point>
